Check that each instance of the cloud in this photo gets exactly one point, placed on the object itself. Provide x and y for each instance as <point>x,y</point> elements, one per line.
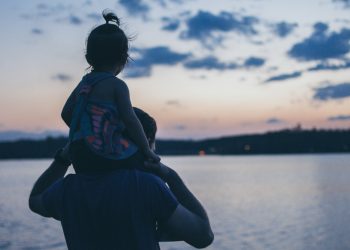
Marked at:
<point>37,31</point>
<point>170,24</point>
<point>274,120</point>
<point>205,26</point>
<point>42,6</point>
<point>179,127</point>
<point>142,66</point>
<point>322,45</point>
<point>87,2</point>
<point>135,6</point>
<point>209,62</point>
<point>47,10</point>
<point>254,62</point>
<point>44,10</point>
<point>164,2</point>
<point>149,57</point>
<point>75,20</point>
<point>328,66</point>
<point>14,135</point>
<point>339,118</point>
<point>345,2</point>
<point>173,103</point>
<point>143,7</point>
<point>162,55</point>
<point>137,71</point>
<point>283,77</point>
<point>283,29</point>
<point>338,91</point>
<point>94,16</point>
<point>62,77</point>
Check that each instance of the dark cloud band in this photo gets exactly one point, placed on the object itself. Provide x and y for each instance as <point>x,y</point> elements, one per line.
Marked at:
<point>330,92</point>
<point>62,77</point>
<point>274,120</point>
<point>135,6</point>
<point>283,77</point>
<point>204,24</point>
<point>321,45</point>
<point>283,29</point>
<point>209,62</point>
<point>339,118</point>
<point>149,57</point>
<point>328,66</point>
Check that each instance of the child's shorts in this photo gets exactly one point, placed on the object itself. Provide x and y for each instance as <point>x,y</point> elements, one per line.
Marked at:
<point>85,160</point>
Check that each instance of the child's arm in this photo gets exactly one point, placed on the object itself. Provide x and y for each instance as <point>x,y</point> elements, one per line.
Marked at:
<point>132,123</point>
<point>67,111</point>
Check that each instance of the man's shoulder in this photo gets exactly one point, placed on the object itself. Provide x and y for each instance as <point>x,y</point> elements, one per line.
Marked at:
<point>153,180</point>
<point>142,176</point>
<point>144,179</point>
<point>148,176</point>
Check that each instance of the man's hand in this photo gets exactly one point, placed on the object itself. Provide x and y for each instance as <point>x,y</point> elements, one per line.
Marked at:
<point>151,156</point>
<point>62,156</point>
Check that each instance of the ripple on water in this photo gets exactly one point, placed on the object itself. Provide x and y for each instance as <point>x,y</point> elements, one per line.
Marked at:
<point>259,202</point>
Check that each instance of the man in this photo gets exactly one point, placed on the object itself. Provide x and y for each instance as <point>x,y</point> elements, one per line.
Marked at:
<point>121,209</point>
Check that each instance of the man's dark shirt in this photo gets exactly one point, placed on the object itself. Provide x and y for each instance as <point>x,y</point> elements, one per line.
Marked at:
<point>115,210</point>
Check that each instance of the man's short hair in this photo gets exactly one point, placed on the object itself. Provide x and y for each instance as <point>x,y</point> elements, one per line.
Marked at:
<point>148,123</point>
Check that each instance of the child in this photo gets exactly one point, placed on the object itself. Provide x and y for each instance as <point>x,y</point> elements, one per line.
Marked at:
<point>99,112</point>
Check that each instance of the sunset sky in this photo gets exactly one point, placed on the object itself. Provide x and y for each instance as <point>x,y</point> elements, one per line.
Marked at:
<point>201,68</point>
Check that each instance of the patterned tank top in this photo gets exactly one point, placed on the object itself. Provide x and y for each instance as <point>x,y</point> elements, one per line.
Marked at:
<point>98,122</point>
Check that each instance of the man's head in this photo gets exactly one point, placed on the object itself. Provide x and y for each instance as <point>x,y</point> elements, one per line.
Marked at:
<point>149,126</point>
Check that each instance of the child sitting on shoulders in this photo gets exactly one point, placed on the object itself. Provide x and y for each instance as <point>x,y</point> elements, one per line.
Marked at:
<point>99,111</point>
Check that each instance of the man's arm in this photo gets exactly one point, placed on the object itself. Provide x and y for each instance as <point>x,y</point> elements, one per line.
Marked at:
<point>189,222</point>
<point>56,170</point>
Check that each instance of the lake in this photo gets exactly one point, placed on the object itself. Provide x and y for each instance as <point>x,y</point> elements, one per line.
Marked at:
<point>254,202</point>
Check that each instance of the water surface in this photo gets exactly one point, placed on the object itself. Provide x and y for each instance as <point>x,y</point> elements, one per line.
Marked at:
<point>254,202</point>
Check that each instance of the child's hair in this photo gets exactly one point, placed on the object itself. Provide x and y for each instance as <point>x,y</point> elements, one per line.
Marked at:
<point>107,45</point>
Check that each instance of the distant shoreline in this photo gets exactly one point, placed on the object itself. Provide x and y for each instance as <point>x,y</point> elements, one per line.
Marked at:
<point>199,156</point>
<point>283,142</point>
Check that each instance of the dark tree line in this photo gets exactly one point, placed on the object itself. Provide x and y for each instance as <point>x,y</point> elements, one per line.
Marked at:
<point>293,141</point>
<point>31,148</point>
<point>281,142</point>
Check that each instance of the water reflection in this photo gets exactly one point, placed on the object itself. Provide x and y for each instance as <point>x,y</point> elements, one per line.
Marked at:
<point>333,204</point>
<point>258,202</point>
<point>266,202</point>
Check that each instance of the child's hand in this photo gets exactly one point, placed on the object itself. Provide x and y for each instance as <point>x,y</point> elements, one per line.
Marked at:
<point>151,156</point>
<point>62,156</point>
<point>65,152</point>
<point>158,169</point>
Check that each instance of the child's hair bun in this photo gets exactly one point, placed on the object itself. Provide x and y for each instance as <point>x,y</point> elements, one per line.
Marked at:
<point>109,16</point>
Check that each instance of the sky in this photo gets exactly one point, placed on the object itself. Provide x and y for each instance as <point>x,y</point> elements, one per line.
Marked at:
<point>201,68</point>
